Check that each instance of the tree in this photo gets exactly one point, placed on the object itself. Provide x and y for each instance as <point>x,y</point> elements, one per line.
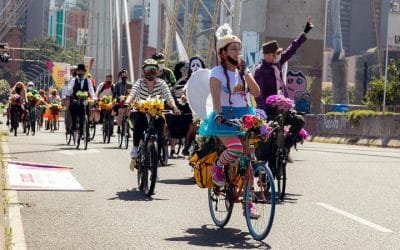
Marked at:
<point>374,98</point>
<point>4,90</point>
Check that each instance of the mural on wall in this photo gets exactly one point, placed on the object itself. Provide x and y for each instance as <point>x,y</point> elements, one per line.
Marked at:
<point>296,84</point>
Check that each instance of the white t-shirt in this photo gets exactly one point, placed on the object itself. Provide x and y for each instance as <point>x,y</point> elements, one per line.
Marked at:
<point>238,93</point>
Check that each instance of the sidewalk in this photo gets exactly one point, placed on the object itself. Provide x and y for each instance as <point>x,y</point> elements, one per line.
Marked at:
<point>374,142</point>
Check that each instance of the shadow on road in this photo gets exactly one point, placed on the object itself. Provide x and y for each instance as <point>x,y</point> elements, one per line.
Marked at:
<point>187,181</point>
<point>209,236</point>
<point>133,195</point>
<point>289,198</point>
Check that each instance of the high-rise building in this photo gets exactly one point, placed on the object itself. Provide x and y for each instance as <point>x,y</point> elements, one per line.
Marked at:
<point>359,32</point>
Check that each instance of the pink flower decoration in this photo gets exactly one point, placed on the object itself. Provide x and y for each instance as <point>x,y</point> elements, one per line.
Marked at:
<point>303,134</point>
<point>280,102</point>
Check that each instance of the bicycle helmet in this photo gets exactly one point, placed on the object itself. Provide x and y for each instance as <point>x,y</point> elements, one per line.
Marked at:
<point>159,57</point>
<point>150,62</point>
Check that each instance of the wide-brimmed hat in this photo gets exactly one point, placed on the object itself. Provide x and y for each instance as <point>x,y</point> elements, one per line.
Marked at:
<point>81,67</point>
<point>271,47</point>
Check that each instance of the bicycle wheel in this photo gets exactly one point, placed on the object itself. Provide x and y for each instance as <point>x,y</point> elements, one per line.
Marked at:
<point>140,161</point>
<point>27,127</point>
<point>164,152</point>
<point>121,134</point>
<point>127,134</point>
<point>86,133</point>
<point>32,121</point>
<point>150,169</point>
<point>92,126</point>
<point>280,173</point>
<point>220,204</point>
<point>105,131</point>
<point>259,203</point>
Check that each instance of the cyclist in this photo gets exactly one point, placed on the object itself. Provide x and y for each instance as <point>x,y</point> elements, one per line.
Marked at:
<point>269,75</point>
<point>120,92</point>
<point>165,73</point>
<point>195,63</point>
<point>30,88</point>
<point>19,89</point>
<point>80,83</point>
<point>152,86</point>
<point>105,88</point>
<point>49,114</point>
<point>230,99</point>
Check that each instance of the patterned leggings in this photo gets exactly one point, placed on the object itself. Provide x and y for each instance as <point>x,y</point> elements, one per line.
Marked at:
<point>234,149</point>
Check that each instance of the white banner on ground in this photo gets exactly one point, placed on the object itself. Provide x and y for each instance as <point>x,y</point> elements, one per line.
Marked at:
<point>36,176</point>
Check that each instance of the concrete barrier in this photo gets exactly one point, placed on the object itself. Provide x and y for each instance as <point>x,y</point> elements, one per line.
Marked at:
<point>382,130</point>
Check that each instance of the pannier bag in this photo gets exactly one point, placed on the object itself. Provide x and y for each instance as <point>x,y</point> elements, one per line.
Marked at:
<point>202,169</point>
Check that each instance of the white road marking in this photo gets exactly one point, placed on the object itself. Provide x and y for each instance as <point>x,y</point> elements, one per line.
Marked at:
<point>14,211</point>
<point>354,217</point>
<point>81,151</point>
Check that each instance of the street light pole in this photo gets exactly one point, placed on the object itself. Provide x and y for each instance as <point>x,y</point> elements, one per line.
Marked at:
<point>386,63</point>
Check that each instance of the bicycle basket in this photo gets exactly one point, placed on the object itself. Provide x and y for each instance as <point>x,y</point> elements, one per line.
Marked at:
<point>202,169</point>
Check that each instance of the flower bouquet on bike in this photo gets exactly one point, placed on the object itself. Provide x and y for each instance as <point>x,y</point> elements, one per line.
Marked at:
<point>152,106</point>
<point>33,100</point>
<point>106,103</point>
<point>82,97</point>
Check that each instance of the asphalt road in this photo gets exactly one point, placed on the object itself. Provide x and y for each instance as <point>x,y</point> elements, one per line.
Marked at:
<point>339,197</point>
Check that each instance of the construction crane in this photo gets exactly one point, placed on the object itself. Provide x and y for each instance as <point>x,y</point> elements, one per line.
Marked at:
<point>10,14</point>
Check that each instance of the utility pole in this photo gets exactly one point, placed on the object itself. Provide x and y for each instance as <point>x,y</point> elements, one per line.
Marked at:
<point>128,40</point>
<point>142,25</point>
<point>237,13</point>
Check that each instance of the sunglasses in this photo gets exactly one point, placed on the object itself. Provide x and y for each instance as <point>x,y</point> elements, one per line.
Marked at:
<point>150,70</point>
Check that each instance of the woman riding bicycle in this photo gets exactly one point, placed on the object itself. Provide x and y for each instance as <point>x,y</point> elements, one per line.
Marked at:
<point>229,83</point>
<point>149,86</point>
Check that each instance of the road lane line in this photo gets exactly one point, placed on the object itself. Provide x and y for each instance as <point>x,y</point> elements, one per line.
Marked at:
<point>354,217</point>
<point>14,211</point>
<point>75,152</point>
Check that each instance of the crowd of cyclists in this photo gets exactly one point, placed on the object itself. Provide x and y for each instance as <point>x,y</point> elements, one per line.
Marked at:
<point>232,86</point>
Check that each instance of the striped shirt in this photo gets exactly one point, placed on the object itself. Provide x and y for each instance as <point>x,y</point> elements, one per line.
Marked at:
<point>140,90</point>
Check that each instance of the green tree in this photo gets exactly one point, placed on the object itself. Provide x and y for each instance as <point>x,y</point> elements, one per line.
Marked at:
<point>4,90</point>
<point>20,76</point>
<point>374,97</point>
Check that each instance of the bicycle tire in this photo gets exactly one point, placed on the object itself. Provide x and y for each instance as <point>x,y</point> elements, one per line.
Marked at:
<point>280,174</point>
<point>214,195</point>
<point>151,165</point>
<point>127,134</point>
<point>164,154</point>
<point>121,135</point>
<point>86,133</point>
<point>92,133</point>
<point>140,166</point>
<point>261,194</point>
<point>27,127</point>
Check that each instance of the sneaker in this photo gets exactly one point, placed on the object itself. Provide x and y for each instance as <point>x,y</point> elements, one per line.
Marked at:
<point>253,211</point>
<point>217,174</point>
<point>133,165</point>
<point>185,151</point>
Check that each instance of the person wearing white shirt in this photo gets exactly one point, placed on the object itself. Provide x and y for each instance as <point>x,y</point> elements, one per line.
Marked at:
<point>80,83</point>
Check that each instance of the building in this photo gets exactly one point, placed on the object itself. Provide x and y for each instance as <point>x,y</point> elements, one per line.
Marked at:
<point>359,32</point>
<point>76,20</point>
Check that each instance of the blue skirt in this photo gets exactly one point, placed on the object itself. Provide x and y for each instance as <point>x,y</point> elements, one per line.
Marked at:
<point>209,127</point>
